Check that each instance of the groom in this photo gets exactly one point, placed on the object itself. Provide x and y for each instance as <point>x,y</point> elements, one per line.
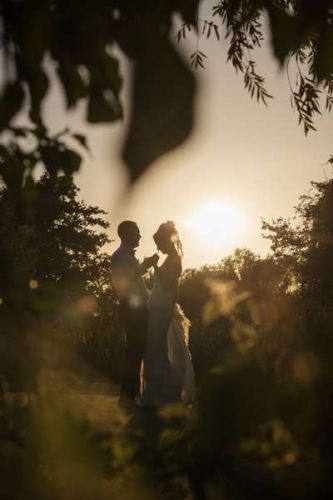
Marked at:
<point>132,296</point>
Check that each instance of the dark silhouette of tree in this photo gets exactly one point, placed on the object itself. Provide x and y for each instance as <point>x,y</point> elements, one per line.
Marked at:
<point>231,301</point>
<point>65,237</point>
<point>54,273</point>
<point>265,401</point>
<point>305,244</point>
<point>18,161</point>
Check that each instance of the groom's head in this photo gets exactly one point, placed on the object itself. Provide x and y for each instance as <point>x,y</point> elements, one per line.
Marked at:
<point>129,233</point>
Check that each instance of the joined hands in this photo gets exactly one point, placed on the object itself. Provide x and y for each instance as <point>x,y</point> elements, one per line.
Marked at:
<point>151,261</point>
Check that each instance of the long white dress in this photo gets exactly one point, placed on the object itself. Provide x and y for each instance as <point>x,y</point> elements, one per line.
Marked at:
<point>168,374</point>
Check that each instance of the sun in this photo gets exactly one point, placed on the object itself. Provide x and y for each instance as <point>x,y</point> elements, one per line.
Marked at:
<point>216,223</point>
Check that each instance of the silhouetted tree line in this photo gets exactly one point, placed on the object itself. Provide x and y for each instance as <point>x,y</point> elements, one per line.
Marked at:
<point>263,349</point>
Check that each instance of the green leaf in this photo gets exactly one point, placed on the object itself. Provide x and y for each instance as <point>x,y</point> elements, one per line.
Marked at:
<point>102,109</point>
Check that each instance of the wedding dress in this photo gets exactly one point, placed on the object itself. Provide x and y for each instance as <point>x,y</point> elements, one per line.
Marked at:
<point>168,371</point>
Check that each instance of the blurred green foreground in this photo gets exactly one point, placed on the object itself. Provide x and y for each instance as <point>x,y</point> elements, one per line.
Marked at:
<point>262,347</point>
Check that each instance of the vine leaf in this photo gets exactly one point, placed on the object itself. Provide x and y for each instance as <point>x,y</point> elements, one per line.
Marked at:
<point>254,83</point>
<point>197,59</point>
<point>207,28</point>
<point>182,32</point>
<point>306,100</point>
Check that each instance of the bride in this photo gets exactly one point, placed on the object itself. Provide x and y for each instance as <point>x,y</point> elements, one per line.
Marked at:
<point>168,372</point>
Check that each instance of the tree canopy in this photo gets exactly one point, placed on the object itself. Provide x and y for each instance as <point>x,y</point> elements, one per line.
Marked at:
<point>54,276</point>
<point>58,248</point>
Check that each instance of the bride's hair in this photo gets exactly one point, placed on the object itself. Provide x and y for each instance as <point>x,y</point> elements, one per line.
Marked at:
<point>168,232</point>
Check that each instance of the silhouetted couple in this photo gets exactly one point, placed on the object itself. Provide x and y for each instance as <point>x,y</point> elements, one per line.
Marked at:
<point>156,328</point>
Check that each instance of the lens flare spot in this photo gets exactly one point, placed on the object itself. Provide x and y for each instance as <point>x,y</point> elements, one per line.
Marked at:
<point>87,304</point>
<point>33,284</point>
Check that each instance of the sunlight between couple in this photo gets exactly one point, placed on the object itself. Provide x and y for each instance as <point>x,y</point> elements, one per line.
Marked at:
<point>155,326</point>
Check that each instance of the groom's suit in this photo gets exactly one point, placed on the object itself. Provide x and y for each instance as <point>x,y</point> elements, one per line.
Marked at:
<point>132,297</point>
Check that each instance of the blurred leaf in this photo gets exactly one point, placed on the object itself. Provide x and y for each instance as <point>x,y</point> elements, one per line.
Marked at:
<point>11,170</point>
<point>33,41</point>
<point>285,33</point>
<point>174,412</point>
<point>188,10</point>
<point>162,114</point>
<point>38,83</point>
<point>104,87</point>
<point>82,139</point>
<point>58,157</point>
<point>73,83</point>
<point>11,102</point>
<point>70,161</point>
<point>49,159</point>
<point>19,132</point>
<point>323,56</point>
<point>101,109</point>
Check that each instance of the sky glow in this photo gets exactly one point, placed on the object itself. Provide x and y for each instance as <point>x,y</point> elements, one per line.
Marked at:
<point>216,224</point>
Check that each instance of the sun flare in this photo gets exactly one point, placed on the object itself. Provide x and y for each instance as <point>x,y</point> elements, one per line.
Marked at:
<point>216,223</point>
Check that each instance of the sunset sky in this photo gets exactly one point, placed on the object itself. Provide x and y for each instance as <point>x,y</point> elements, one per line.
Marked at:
<point>243,162</point>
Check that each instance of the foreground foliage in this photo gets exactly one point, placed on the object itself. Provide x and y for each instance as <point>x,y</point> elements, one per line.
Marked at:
<point>261,340</point>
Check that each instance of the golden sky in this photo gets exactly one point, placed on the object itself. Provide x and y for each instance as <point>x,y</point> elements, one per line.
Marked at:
<point>254,160</point>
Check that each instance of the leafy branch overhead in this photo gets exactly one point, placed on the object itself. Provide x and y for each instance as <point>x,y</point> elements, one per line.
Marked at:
<point>80,39</point>
<point>301,33</point>
<point>60,152</point>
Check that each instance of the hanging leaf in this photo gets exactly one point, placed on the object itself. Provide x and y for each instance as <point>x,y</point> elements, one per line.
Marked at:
<point>38,84</point>
<point>323,56</point>
<point>11,102</point>
<point>82,139</point>
<point>11,168</point>
<point>188,10</point>
<point>73,84</point>
<point>70,161</point>
<point>102,109</point>
<point>57,156</point>
<point>162,114</point>
<point>104,87</point>
<point>285,32</point>
<point>197,59</point>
